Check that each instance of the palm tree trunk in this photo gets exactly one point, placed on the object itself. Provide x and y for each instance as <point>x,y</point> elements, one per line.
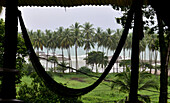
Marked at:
<point>156,54</point>
<point>96,69</point>
<point>47,59</point>
<point>124,58</point>
<point>151,62</point>
<point>129,53</point>
<point>54,56</point>
<point>86,56</point>
<point>117,66</point>
<point>68,50</point>
<point>76,57</point>
<point>62,58</point>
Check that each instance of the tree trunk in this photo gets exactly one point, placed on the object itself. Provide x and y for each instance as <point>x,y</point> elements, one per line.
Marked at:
<point>62,59</point>
<point>137,34</point>
<point>156,54</point>
<point>10,49</point>
<point>47,59</point>
<point>151,61</point>
<point>69,57</point>
<point>124,58</point>
<point>54,56</point>
<point>76,57</point>
<point>164,72</point>
<point>96,69</point>
<point>117,66</point>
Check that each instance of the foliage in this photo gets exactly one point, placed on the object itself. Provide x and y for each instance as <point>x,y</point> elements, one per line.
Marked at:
<point>61,67</point>
<point>122,82</point>
<point>96,58</point>
<point>85,69</point>
<point>125,63</point>
<point>39,93</point>
<point>148,13</point>
<point>2,31</point>
<point>53,59</point>
<point>21,50</point>
<point>28,69</point>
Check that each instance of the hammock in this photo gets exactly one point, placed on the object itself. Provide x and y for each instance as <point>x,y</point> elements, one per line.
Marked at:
<point>59,88</point>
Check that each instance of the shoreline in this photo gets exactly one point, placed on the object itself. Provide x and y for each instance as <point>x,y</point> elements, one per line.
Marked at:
<point>116,68</point>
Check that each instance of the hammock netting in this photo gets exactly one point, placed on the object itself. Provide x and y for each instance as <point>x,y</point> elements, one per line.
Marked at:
<point>58,88</point>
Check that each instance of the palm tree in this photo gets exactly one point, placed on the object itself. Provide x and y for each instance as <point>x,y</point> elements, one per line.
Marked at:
<point>96,58</point>
<point>118,34</point>
<point>152,46</point>
<point>146,81</point>
<point>98,37</point>
<point>88,31</point>
<point>108,39</point>
<point>54,45</point>
<point>37,40</point>
<point>31,35</point>
<point>101,42</point>
<point>67,42</point>
<point>47,42</point>
<point>77,38</point>
<point>60,31</point>
<point>142,47</point>
<point>129,43</point>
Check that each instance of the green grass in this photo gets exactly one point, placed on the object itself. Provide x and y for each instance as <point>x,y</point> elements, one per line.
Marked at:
<point>101,94</point>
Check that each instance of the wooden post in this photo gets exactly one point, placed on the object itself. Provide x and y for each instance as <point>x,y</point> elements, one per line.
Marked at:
<point>137,35</point>
<point>164,72</point>
<point>10,48</point>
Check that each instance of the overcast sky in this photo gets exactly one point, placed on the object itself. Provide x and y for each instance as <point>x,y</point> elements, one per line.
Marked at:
<point>54,17</point>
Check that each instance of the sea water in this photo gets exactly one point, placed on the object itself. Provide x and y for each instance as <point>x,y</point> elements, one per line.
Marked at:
<point>82,54</point>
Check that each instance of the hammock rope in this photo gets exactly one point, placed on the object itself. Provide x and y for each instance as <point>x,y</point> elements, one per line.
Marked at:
<point>59,88</point>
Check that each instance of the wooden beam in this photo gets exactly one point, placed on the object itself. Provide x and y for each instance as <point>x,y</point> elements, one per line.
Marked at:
<point>137,35</point>
<point>10,49</point>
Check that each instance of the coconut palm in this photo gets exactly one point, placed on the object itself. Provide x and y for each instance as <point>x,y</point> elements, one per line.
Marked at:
<point>129,43</point>
<point>67,42</point>
<point>109,40</point>
<point>77,38</point>
<point>152,46</point>
<point>114,43</point>
<point>98,37</point>
<point>47,43</point>
<point>38,41</point>
<point>31,35</point>
<point>101,42</point>
<point>88,31</point>
<point>96,58</point>
<point>55,44</point>
<point>142,48</point>
<point>118,34</point>
<point>146,81</point>
<point>60,31</point>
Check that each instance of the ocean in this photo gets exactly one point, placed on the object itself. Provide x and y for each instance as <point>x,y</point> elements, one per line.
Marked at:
<point>82,55</point>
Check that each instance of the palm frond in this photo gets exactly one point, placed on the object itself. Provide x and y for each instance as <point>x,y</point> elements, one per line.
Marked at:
<point>123,86</point>
<point>146,98</point>
<point>149,84</point>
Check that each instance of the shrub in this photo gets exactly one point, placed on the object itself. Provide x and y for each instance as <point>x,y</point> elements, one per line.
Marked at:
<point>39,93</point>
<point>28,69</point>
<point>85,69</point>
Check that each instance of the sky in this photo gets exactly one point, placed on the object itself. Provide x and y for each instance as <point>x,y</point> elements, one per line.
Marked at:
<point>54,17</point>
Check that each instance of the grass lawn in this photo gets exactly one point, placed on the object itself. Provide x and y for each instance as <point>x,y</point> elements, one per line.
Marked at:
<point>101,94</point>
